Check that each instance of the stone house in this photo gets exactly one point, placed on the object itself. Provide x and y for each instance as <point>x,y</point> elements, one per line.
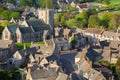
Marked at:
<point>84,6</point>
<point>21,57</point>
<point>7,48</point>
<point>28,31</point>
<point>63,32</point>
<point>9,33</point>
<point>61,44</point>
<point>85,69</point>
<point>94,35</point>
<point>110,35</point>
<point>81,40</point>
<point>46,71</point>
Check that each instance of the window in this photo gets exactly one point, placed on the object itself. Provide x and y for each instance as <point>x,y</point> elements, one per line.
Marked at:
<point>6,35</point>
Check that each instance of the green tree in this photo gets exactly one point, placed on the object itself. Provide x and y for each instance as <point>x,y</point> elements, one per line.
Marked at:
<point>82,15</point>
<point>57,19</point>
<point>71,23</point>
<point>114,22</point>
<point>46,3</point>
<point>62,21</point>
<point>10,1</point>
<point>6,14</point>
<point>73,41</point>
<point>94,21</point>
<point>82,19</point>
<point>4,23</point>
<point>15,15</point>
<point>106,2</point>
<point>31,3</point>
<point>105,18</point>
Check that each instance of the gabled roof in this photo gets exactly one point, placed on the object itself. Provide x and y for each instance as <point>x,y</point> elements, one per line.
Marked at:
<point>12,29</point>
<point>35,23</point>
<point>41,28</point>
<point>94,31</point>
<point>27,51</point>
<point>44,74</point>
<point>24,30</point>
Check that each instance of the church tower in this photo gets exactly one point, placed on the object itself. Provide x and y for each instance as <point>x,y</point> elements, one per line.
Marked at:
<point>47,16</point>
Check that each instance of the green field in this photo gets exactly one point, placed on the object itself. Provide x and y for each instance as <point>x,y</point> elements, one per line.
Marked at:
<point>114,2</point>
<point>116,12</point>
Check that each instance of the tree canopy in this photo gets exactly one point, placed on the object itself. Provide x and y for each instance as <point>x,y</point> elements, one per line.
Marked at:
<point>94,21</point>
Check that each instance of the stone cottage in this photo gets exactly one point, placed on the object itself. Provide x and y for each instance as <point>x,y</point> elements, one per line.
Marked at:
<point>28,31</point>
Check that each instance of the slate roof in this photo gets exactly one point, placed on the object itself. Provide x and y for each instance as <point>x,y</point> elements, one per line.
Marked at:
<point>24,30</point>
<point>41,28</point>
<point>60,40</point>
<point>78,36</point>
<point>34,26</point>
<point>35,23</point>
<point>95,31</point>
<point>12,29</point>
<point>43,73</point>
<point>27,51</point>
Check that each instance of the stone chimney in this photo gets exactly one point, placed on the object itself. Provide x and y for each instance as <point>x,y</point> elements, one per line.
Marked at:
<point>90,62</point>
<point>28,76</point>
<point>25,46</point>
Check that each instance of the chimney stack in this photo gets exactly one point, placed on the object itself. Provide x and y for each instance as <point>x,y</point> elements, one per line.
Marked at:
<point>25,46</point>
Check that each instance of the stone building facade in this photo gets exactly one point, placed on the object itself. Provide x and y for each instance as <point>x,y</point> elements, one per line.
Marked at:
<point>28,31</point>
<point>47,16</point>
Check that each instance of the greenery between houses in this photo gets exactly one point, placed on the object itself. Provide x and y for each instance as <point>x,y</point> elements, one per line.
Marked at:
<point>10,74</point>
<point>8,14</point>
<point>21,45</point>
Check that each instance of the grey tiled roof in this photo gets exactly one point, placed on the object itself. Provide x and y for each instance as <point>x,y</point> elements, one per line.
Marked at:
<point>41,28</point>
<point>24,30</point>
<point>94,31</point>
<point>28,51</point>
<point>43,74</point>
<point>12,29</point>
<point>35,23</point>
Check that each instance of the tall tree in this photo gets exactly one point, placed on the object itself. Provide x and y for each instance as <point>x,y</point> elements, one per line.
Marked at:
<point>46,3</point>
<point>71,23</point>
<point>32,3</point>
<point>15,15</point>
<point>114,22</point>
<point>10,1</point>
<point>94,21</point>
<point>57,19</point>
<point>105,18</point>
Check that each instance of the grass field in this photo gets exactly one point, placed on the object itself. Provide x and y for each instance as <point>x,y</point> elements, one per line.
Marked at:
<point>114,2</point>
<point>116,12</point>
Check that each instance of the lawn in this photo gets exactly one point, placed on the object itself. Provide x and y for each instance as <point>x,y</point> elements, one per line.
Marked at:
<point>39,42</point>
<point>116,12</point>
<point>21,45</point>
<point>114,2</point>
